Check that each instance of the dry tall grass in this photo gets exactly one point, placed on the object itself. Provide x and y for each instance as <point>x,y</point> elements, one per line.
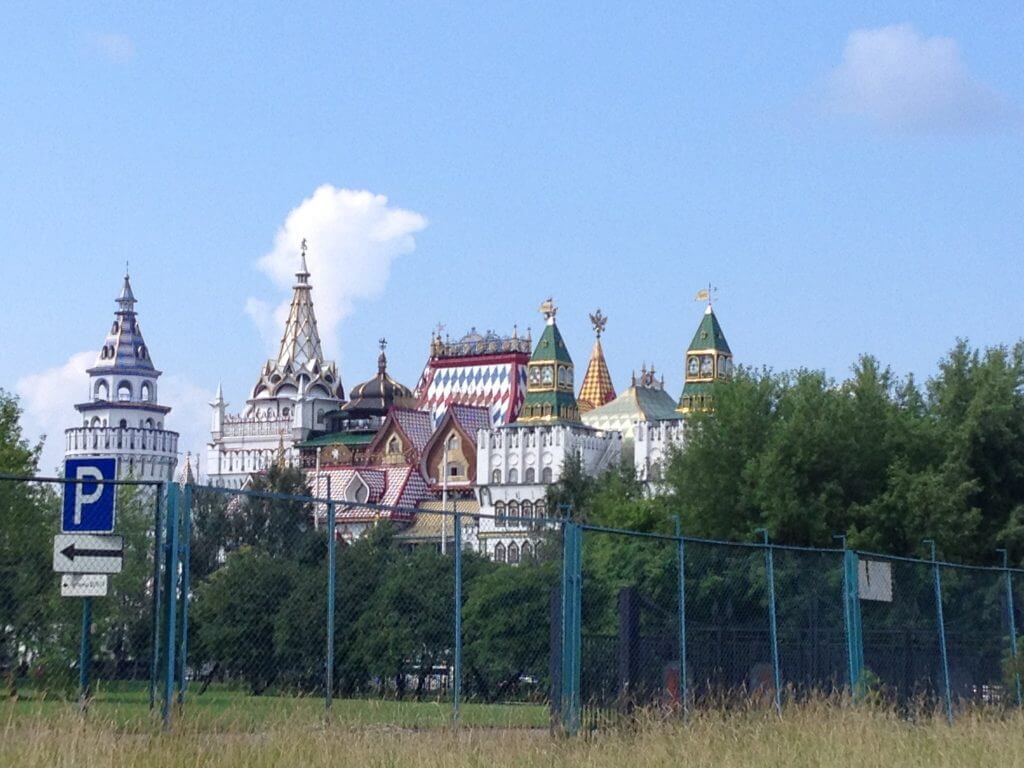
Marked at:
<point>810,735</point>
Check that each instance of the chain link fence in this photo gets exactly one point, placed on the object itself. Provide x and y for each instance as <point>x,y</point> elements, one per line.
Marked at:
<point>258,595</point>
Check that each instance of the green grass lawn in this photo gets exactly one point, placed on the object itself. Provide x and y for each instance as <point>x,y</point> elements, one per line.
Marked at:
<point>221,708</point>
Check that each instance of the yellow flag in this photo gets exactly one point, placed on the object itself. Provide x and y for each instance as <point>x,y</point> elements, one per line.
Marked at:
<point>702,295</point>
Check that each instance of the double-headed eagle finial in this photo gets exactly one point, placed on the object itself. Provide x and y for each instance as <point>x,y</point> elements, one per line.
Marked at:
<point>599,320</point>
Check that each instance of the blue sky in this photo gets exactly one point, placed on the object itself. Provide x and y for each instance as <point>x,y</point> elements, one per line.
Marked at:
<point>848,177</point>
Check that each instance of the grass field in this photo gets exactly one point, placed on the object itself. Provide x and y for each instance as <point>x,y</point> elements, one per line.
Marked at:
<point>365,734</point>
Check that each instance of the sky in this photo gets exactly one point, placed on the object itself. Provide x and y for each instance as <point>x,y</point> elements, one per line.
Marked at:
<point>848,176</point>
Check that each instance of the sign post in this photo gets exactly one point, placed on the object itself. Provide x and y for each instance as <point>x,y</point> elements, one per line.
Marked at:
<point>84,549</point>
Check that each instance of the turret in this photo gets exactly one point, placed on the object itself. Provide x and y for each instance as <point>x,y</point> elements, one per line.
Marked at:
<point>708,360</point>
<point>550,380</point>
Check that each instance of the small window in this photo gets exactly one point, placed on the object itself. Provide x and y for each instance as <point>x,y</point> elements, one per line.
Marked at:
<point>527,509</point>
<point>454,470</point>
<point>539,510</point>
<point>527,551</point>
<point>102,391</point>
<point>394,445</point>
<point>531,475</point>
<point>513,513</point>
<point>513,553</point>
<point>545,475</point>
<point>453,442</point>
<point>496,477</point>
<point>124,391</point>
<point>499,553</point>
<point>513,475</point>
<point>499,514</point>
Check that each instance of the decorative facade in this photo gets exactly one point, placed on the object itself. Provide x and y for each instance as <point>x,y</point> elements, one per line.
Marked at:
<point>291,399</point>
<point>485,370</point>
<point>517,462</point>
<point>123,416</point>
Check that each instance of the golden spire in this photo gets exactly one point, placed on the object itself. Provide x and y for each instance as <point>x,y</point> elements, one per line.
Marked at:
<point>597,388</point>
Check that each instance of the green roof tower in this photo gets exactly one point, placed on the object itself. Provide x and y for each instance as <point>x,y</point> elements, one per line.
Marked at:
<point>708,360</point>
<point>549,385</point>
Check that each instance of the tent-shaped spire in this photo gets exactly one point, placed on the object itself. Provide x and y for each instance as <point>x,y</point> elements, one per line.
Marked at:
<point>550,379</point>
<point>708,360</point>
<point>124,347</point>
<point>597,388</point>
<point>300,343</point>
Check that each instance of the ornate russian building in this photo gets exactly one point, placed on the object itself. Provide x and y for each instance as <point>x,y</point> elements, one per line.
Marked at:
<point>291,398</point>
<point>708,361</point>
<point>517,462</point>
<point>123,416</point>
<point>482,370</point>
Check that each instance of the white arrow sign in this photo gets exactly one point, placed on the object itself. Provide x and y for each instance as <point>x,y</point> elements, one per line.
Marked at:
<point>83,585</point>
<point>87,553</point>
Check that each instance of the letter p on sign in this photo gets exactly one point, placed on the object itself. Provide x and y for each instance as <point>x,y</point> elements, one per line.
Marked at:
<point>88,497</point>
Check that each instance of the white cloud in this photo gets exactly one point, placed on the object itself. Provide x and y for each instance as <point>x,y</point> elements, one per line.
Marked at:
<point>118,48</point>
<point>353,237</point>
<point>48,399</point>
<point>899,79</point>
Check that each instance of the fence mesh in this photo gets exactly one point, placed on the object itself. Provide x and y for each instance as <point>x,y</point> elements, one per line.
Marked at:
<point>253,609</point>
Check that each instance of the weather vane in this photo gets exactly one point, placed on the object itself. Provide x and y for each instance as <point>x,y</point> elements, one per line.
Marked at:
<point>383,343</point>
<point>599,321</point>
<point>548,309</point>
<point>303,246</point>
<point>706,294</point>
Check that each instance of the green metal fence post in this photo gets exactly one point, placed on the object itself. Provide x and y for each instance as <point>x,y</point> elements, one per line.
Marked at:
<point>85,653</point>
<point>571,630</point>
<point>331,578</point>
<point>186,597</point>
<point>154,659</point>
<point>171,548</point>
<point>855,627</point>
<point>942,632</point>
<point>681,545</point>
<point>1011,619</point>
<point>769,567</point>
<point>457,671</point>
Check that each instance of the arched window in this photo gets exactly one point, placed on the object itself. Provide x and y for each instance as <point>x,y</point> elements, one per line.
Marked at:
<point>545,475</point>
<point>499,514</point>
<point>394,445</point>
<point>513,475</point>
<point>453,441</point>
<point>146,393</point>
<point>531,476</point>
<point>496,477</point>
<point>527,510</point>
<point>124,391</point>
<point>539,510</point>
<point>102,391</point>
<point>513,553</point>
<point>513,512</point>
<point>527,552</point>
<point>123,424</point>
<point>499,553</point>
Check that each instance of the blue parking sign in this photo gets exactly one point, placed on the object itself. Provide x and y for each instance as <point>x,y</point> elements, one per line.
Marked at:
<point>89,503</point>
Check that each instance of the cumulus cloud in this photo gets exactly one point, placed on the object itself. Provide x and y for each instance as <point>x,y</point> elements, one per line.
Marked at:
<point>353,237</point>
<point>116,47</point>
<point>898,79</point>
<point>48,399</point>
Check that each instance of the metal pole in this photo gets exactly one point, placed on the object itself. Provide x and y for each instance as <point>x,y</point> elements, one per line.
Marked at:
<point>457,683</point>
<point>85,653</point>
<point>769,567</point>
<point>329,687</point>
<point>682,615</point>
<point>571,630</point>
<point>154,661</point>
<point>444,500</point>
<point>1012,619</point>
<point>171,547</point>
<point>186,597</point>
<point>942,632</point>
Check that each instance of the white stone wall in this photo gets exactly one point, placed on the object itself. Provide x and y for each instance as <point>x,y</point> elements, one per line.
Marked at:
<point>652,441</point>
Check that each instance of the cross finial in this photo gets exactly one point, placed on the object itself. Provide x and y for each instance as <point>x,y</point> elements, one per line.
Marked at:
<point>382,342</point>
<point>303,246</point>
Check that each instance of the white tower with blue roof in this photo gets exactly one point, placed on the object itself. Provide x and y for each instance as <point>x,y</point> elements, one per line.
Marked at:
<point>123,416</point>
